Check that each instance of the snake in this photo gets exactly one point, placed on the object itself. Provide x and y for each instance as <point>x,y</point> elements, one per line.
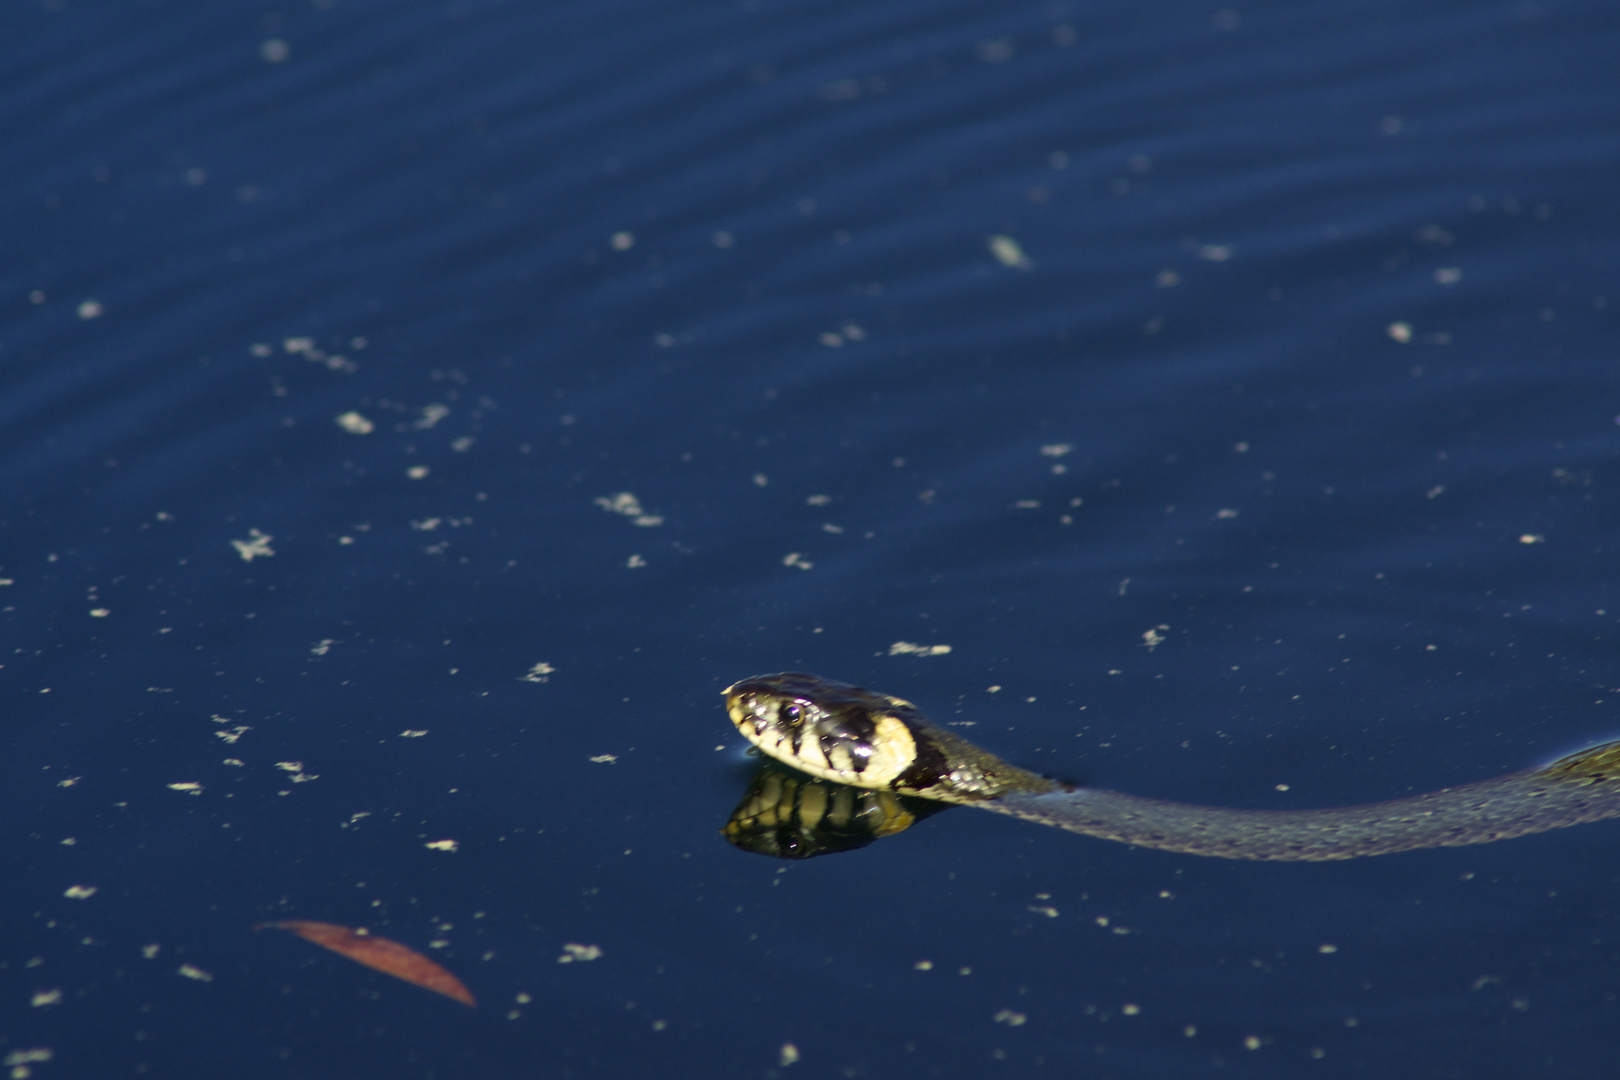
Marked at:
<point>850,735</point>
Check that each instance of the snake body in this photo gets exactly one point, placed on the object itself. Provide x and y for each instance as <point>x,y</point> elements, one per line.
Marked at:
<point>853,736</point>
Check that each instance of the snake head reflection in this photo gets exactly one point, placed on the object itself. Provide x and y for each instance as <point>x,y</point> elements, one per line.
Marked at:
<point>788,815</point>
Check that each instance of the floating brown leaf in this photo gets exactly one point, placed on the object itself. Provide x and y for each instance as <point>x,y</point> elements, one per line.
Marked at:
<point>389,957</point>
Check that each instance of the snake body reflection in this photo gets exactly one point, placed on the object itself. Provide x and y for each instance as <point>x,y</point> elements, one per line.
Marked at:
<point>853,736</point>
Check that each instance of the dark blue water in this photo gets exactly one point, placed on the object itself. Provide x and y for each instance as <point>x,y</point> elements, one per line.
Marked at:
<point>358,358</point>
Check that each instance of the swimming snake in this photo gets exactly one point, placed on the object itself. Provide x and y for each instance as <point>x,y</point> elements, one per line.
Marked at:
<point>868,740</point>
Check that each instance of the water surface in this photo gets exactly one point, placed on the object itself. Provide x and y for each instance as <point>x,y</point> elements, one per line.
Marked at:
<point>414,415</point>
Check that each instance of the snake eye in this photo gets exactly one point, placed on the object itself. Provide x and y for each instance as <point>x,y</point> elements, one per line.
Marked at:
<point>792,713</point>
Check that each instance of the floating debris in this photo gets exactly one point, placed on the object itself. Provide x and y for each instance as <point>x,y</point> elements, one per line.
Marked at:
<point>256,546</point>
<point>540,672</point>
<point>575,951</point>
<point>629,506</point>
<point>379,954</point>
<point>19,1060</point>
<point>431,415</point>
<point>1009,252</point>
<point>907,648</point>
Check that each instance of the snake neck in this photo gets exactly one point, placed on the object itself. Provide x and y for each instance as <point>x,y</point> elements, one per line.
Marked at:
<point>951,769</point>
<point>851,735</point>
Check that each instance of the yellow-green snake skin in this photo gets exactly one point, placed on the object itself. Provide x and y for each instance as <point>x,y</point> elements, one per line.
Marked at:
<point>854,736</point>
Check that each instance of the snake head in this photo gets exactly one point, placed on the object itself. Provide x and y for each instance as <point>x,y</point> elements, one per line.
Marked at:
<point>825,728</point>
<point>781,709</point>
